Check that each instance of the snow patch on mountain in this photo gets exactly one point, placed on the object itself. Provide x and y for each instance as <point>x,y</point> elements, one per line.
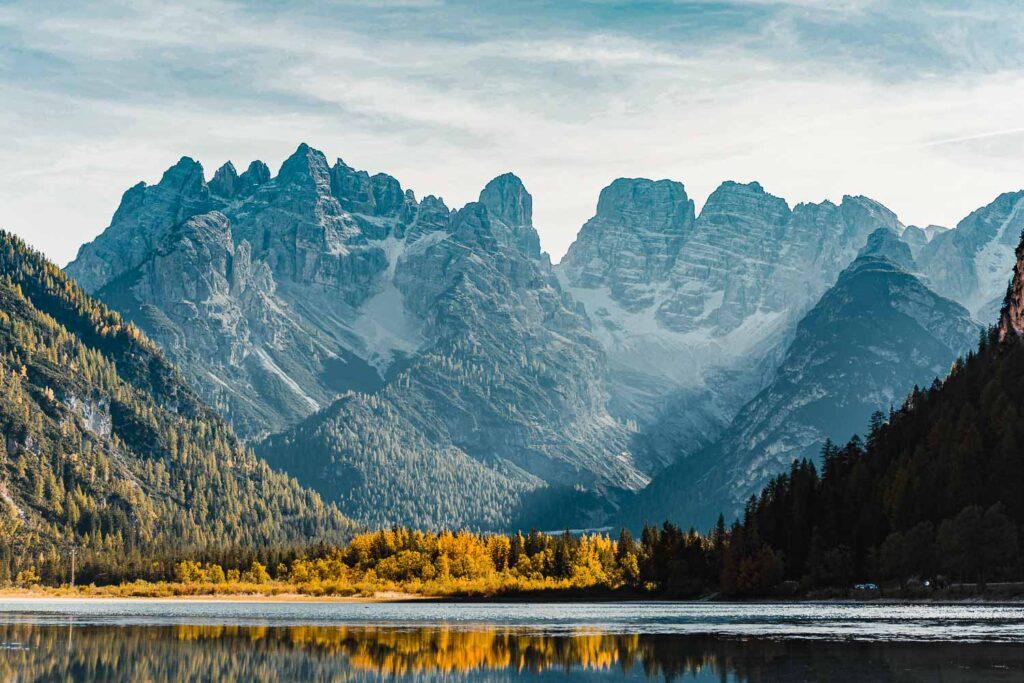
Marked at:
<point>384,326</point>
<point>993,262</point>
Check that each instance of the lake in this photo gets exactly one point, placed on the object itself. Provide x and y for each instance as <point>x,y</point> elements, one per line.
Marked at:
<point>132,640</point>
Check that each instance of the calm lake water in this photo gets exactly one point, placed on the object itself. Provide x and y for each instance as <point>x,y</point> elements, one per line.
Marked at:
<point>108,640</point>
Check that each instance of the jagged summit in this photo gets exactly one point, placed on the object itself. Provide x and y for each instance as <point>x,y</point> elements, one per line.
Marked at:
<point>729,190</point>
<point>653,203</point>
<point>183,167</point>
<point>632,240</point>
<point>506,199</point>
<point>1011,317</point>
<point>694,311</point>
<point>225,181</point>
<point>306,166</point>
<point>386,338</point>
<point>185,178</point>
<point>885,243</point>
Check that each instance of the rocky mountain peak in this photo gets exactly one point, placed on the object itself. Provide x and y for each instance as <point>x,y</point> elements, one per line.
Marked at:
<point>225,181</point>
<point>973,262</point>
<point>632,240</point>
<point>143,218</point>
<point>884,243</point>
<point>859,210</point>
<point>433,203</point>
<point>388,196</point>
<point>352,188</point>
<point>748,198</point>
<point>1011,317</point>
<point>184,176</point>
<point>506,199</point>
<point>257,174</point>
<point>648,205</point>
<point>307,167</point>
<point>359,192</point>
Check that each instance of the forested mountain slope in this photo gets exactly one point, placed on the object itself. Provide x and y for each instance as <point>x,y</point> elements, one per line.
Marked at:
<point>106,447</point>
<point>871,338</point>
<point>938,486</point>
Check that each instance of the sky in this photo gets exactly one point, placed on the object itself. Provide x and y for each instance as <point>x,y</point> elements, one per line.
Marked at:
<point>917,104</point>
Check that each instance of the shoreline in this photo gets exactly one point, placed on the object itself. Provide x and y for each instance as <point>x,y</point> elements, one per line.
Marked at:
<point>384,597</point>
<point>396,597</point>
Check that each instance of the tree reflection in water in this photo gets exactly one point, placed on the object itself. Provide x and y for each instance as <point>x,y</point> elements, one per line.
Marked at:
<point>45,652</point>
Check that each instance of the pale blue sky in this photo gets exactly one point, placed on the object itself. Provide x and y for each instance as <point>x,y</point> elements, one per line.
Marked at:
<point>917,104</point>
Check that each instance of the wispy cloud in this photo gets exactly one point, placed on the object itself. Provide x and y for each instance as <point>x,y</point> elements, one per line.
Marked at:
<point>973,137</point>
<point>813,97</point>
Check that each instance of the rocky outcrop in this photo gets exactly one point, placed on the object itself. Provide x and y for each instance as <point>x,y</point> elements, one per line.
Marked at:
<point>632,242</point>
<point>215,311</point>
<point>278,300</point>
<point>510,208</point>
<point>142,220</point>
<point>1011,316</point>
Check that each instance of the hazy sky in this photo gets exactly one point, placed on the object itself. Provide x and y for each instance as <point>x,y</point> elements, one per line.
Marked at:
<point>917,104</point>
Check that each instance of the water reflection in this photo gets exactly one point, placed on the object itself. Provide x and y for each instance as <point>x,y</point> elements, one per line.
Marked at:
<point>45,652</point>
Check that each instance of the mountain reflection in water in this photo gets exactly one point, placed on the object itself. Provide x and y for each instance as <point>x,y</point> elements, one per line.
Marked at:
<point>44,652</point>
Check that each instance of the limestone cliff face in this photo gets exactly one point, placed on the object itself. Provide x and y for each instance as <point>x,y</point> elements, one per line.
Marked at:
<point>1011,317</point>
<point>252,283</point>
<point>142,220</point>
<point>215,311</point>
<point>507,391</point>
<point>695,312</point>
<point>971,264</point>
<point>632,242</point>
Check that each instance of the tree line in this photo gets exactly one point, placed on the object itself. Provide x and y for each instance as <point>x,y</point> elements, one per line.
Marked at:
<point>105,450</point>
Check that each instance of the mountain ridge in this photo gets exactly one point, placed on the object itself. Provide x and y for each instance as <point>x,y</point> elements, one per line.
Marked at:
<point>106,447</point>
<point>870,338</point>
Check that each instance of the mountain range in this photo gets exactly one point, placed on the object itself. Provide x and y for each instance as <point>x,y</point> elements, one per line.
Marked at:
<point>422,365</point>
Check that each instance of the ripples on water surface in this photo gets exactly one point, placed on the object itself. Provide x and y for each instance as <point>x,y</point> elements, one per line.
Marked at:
<point>172,641</point>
